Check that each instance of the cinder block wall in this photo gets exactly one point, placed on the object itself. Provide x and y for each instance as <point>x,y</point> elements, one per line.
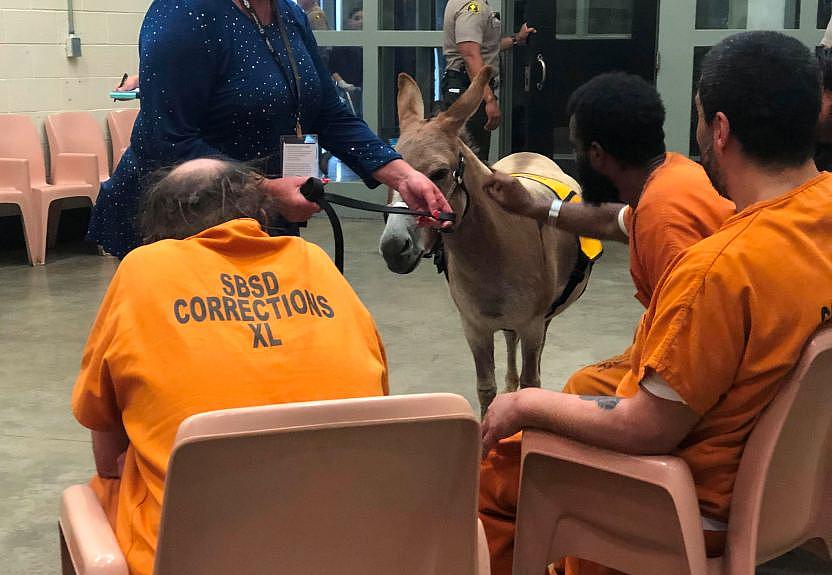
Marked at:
<point>36,77</point>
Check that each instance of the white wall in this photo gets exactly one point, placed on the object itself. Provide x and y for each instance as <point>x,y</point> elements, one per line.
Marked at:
<point>36,77</point>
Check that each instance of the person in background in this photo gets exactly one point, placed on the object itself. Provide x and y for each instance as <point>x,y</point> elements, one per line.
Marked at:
<point>473,39</point>
<point>235,99</point>
<point>729,319</point>
<point>210,314</point>
<point>347,62</point>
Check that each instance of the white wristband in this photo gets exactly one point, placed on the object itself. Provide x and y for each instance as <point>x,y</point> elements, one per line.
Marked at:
<point>554,212</point>
<point>622,225</point>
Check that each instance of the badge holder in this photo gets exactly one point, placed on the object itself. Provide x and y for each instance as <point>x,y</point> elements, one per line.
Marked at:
<point>300,156</point>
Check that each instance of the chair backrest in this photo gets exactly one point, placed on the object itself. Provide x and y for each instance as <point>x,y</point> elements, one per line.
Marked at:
<point>121,128</point>
<point>19,139</point>
<point>356,486</point>
<point>77,133</point>
<point>783,493</point>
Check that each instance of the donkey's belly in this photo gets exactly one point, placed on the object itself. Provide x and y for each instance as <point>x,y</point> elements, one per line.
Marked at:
<point>500,302</point>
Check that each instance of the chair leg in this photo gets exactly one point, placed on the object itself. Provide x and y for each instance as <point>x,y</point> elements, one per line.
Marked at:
<point>32,234</point>
<point>54,219</point>
<point>42,230</point>
<point>67,568</point>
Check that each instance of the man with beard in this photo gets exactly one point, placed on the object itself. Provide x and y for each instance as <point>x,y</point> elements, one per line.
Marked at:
<point>617,129</point>
<point>730,318</point>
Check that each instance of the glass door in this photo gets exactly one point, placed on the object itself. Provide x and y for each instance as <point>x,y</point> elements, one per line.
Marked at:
<point>576,40</point>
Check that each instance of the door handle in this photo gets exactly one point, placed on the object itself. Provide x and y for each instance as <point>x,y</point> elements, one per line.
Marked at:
<point>542,63</point>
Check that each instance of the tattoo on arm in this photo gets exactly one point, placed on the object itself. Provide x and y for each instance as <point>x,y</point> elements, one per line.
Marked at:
<point>604,402</point>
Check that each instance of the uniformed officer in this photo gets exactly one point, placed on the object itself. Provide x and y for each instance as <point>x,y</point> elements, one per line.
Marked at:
<point>473,39</point>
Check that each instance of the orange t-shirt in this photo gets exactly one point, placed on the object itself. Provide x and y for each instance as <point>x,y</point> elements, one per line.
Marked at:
<point>677,208</point>
<point>730,320</point>
<point>227,318</point>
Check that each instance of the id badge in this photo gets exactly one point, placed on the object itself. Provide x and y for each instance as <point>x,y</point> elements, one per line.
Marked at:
<point>300,156</point>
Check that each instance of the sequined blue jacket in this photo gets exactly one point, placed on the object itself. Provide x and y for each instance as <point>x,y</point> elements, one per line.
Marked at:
<point>211,88</point>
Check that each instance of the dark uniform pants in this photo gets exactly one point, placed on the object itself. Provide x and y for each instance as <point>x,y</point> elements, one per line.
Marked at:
<point>459,82</point>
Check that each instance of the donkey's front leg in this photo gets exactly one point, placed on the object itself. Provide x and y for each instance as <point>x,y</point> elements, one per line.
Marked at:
<point>481,342</point>
<point>512,378</point>
<point>531,340</point>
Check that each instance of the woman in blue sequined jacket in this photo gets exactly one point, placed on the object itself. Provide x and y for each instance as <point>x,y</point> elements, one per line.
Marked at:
<point>211,88</point>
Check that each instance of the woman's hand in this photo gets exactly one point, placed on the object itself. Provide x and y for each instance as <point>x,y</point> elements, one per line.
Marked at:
<point>290,202</point>
<point>130,84</point>
<point>417,191</point>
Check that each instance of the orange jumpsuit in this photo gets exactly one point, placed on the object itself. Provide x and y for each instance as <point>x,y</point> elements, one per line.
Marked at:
<point>227,318</point>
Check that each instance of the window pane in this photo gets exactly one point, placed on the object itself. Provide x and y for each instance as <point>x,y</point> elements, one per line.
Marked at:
<point>699,53</point>
<point>748,14</point>
<point>610,17</point>
<point>711,14</point>
<point>425,65</point>
<point>333,14</point>
<point>824,13</point>
<point>346,63</point>
<point>412,14</point>
<point>577,19</point>
<point>566,20</point>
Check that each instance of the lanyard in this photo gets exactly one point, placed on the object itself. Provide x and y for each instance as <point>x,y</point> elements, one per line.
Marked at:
<point>289,53</point>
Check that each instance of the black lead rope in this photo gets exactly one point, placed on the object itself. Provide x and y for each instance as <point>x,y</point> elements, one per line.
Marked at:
<point>313,190</point>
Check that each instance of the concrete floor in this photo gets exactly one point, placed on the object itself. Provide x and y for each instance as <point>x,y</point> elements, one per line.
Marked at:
<point>46,312</point>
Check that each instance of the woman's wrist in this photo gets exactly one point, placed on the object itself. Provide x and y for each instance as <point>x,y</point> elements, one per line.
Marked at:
<point>394,173</point>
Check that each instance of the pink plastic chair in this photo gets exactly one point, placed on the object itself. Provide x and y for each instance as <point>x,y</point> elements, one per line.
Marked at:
<point>357,487</point>
<point>640,514</point>
<point>16,190</point>
<point>121,128</point>
<point>78,133</point>
<point>23,177</point>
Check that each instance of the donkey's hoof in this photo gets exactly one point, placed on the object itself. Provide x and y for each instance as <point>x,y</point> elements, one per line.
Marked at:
<point>486,397</point>
<point>511,385</point>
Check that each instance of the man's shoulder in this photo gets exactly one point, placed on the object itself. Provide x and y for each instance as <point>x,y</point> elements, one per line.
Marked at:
<point>681,176</point>
<point>681,186</point>
<point>723,254</point>
<point>470,7</point>
<point>147,258</point>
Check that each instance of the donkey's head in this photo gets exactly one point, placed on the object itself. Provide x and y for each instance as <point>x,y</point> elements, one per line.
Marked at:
<point>433,148</point>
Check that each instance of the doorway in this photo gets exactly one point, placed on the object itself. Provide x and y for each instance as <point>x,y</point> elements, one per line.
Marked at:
<point>575,40</point>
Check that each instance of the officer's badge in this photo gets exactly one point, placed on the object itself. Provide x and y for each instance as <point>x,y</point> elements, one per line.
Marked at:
<point>473,7</point>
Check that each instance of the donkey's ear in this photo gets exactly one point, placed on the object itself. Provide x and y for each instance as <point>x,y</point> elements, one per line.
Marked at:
<point>409,101</point>
<point>455,117</point>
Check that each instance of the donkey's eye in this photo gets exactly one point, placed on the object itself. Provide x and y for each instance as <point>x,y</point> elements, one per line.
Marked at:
<point>439,175</point>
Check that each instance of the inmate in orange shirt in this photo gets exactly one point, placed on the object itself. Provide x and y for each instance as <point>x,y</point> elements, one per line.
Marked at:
<point>729,322</point>
<point>227,318</point>
<point>677,208</point>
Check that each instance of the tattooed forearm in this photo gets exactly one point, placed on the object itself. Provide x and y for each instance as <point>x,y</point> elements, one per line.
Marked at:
<point>604,402</point>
